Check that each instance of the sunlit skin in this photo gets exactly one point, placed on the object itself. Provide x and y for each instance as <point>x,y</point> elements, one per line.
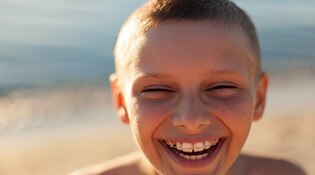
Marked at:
<point>190,83</point>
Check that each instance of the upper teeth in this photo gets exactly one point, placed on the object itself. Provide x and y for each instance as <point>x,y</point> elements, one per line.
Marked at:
<point>196,147</point>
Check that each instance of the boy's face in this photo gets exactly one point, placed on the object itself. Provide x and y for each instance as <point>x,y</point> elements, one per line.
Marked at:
<point>190,96</point>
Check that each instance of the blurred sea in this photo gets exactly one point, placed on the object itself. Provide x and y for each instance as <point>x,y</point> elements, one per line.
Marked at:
<point>56,55</point>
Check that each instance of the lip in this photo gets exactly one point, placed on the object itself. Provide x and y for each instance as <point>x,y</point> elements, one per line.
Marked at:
<point>193,163</point>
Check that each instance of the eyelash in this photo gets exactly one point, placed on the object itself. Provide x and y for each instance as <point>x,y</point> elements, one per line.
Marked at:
<point>220,87</point>
<point>222,91</point>
<point>156,93</point>
<point>219,90</point>
<point>157,90</point>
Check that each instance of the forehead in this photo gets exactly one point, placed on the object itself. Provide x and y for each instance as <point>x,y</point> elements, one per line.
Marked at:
<point>191,45</point>
<point>195,39</point>
<point>205,34</point>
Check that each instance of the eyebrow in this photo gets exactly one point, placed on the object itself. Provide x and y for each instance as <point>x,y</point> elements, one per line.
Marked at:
<point>151,76</point>
<point>241,75</point>
<point>225,72</point>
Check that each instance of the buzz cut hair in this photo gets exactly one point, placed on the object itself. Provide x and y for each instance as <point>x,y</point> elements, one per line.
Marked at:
<point>154,12</point>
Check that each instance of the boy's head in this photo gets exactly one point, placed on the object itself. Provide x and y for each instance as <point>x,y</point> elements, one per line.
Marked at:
<point>222,13</point>
<point>188,81</point>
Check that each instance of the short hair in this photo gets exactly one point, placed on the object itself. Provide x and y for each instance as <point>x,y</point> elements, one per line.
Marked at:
<point>154,12</point>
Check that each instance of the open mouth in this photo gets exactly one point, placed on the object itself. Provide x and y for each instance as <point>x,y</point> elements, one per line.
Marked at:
<point>193,152</point>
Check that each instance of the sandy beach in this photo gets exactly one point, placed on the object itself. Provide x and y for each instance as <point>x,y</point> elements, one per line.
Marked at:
<point>287,131</point>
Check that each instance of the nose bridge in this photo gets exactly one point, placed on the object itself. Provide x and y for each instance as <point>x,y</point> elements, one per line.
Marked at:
<point>191,113</point>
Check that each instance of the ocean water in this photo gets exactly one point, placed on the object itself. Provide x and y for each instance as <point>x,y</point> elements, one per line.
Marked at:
<point>56,55</point>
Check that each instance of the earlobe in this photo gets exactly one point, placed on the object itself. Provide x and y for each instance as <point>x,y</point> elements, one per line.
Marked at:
<point>118,99</point>
<point>122,115</point>
<point>261,96</point>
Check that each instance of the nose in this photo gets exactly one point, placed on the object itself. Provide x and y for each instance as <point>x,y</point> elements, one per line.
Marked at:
<point>191,114</point>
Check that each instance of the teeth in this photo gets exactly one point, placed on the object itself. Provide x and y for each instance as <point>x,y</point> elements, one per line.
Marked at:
<point>187,157</point>
<point>197,157</point>
<point>190,147</point>
<point>198,147</point>
<point>193,157</point>
<point>169,143</point>
<point>187,147</point>
<point>204,155</point>
<point>207,144</point>
<point>214,142</point>
<point>179,146</point>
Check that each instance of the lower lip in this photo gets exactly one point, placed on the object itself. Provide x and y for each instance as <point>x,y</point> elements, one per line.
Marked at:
<point>194,163</point>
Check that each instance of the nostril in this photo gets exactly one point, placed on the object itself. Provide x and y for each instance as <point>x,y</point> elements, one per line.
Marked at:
<point>191,122</point>
<point>191,113</point>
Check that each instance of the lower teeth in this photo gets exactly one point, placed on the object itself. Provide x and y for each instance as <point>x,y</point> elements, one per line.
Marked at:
<point>193,157</point>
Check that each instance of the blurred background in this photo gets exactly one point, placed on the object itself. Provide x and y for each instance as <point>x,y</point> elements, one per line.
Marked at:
<point>55,107</point>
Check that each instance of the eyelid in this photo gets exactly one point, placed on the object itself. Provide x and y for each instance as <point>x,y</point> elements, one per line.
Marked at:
<point>224,87</point>
<point>157,88</point>
<point>157,92</point>
<point>222,90</point>
<point>218,86</point>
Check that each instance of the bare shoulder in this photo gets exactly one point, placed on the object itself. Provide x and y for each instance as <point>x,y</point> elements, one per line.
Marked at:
<point>254,165</point>
<point>127,164</point>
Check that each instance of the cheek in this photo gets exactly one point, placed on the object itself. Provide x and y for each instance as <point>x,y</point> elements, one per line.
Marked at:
<point>151,114</point>
<point>237,115</point>
<point>145,118</point>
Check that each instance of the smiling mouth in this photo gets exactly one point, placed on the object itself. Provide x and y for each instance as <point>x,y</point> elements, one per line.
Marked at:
<point>193,151</point>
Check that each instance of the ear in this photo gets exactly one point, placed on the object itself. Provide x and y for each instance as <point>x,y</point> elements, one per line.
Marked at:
<point>261,93</point>
<point>118,99</point>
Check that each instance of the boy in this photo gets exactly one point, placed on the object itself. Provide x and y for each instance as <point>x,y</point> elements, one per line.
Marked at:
<point>189,82</point>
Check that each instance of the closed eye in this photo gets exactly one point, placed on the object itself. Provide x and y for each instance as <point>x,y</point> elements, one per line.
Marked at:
<point>222,90</point>
<point>157,92</point>
<point>219,87</point>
